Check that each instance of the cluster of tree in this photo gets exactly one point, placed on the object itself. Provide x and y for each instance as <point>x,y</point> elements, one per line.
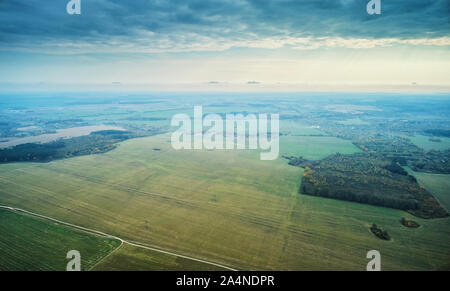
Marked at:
<point>409,223</point>
<point>380,232</point>
<point>438,132</point>
<point>30,152</point>
<point>358,195</point>
<point>297,161</point>
<point>437,162</point>
<point>404,152</point>
<point>8,129</point>
<point>395,168</point>
<point>95,143</point>
<point>367,179</point>
<point>435,139</point>
<point>145,118</point>
<point>64,121</point>
<point>114,133</point>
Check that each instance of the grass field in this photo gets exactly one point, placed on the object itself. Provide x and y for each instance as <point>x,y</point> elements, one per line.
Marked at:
<point>300,141</point>
<point>131,258</point>
<point>223,206</point>
<point>437,184</point>
<point>315,147</point>
<point>424,142</point>
<point>30,244</point>
<point>294,127</point>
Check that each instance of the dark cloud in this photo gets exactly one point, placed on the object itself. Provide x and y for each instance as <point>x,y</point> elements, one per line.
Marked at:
<point>28,24</point>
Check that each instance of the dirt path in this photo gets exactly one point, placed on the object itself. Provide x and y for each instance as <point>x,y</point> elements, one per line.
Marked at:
<point>96,232</point>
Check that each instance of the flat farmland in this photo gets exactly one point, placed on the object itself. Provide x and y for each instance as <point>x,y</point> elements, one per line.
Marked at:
<point>131,258</point>
<point>315,147</point>
<point>437,184</point>
<point>227,207</point>
<point>31,244</point>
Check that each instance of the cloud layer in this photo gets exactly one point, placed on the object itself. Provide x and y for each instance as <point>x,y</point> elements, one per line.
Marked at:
<point>198,25</point>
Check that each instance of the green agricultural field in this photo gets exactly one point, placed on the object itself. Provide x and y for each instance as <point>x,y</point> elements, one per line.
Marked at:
<point>315,147</point>
<point>30,244</point>
<point>424,142</point>
<point>131,258</point>
<point>437,184</point>
<point>226,207</point>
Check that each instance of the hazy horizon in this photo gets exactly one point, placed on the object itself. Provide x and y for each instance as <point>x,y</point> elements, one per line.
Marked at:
<point>226,45</point>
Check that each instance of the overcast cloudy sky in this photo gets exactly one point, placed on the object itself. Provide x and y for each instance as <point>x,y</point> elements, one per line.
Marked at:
<point>230,41</point>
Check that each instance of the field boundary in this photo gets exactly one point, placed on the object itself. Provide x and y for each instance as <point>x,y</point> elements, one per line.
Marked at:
<point>123,241</point>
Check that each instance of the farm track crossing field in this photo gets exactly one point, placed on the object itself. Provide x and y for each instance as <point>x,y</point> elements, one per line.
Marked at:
<point>30,244</point>
<point>131,258</point>
<point>226,207</point>
<point>150,257</point>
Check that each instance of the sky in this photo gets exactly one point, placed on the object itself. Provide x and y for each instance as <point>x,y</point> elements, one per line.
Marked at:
<point>226,44</point>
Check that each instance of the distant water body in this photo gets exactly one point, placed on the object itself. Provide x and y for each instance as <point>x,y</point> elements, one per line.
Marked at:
<point>60,133</point>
